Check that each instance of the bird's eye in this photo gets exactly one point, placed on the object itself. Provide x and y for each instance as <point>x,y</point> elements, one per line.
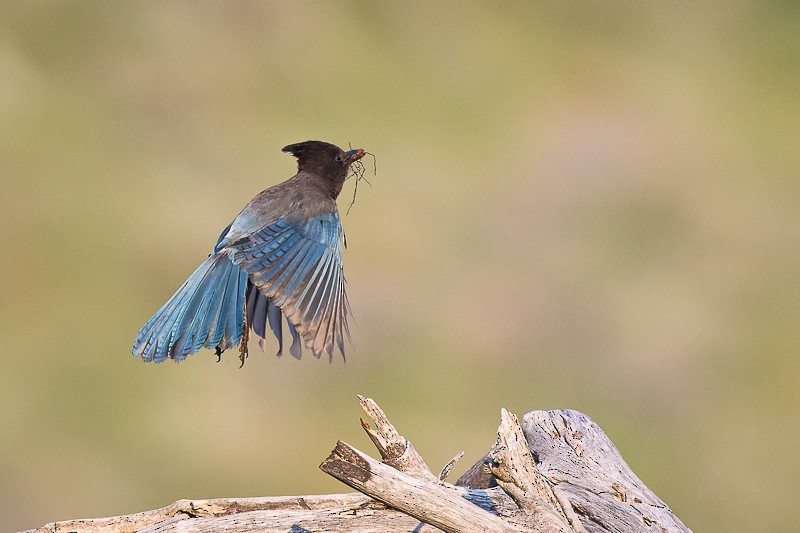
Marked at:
<point>339,158</point>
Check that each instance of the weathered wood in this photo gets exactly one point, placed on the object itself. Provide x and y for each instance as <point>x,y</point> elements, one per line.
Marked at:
<point>561,471</point>
<point>437,503</point>
<point>396,451</point>
<point>183,510</point>
<point>449,466</point>
<point>511,463</point>
<point>428,502</point>
<point>587,470</point>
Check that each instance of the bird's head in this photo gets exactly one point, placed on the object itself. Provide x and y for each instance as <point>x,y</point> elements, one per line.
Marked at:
<point>324,160</point>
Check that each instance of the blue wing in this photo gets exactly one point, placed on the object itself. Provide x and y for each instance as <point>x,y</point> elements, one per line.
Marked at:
<point>296,269</point>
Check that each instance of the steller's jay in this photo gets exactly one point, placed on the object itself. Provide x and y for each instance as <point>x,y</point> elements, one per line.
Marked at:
<point>281,255</point>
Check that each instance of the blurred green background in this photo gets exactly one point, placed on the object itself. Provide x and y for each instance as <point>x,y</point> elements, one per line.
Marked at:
<point>588,206</point>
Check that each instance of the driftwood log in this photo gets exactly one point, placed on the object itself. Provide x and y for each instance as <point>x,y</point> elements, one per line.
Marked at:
<point>555,472</point>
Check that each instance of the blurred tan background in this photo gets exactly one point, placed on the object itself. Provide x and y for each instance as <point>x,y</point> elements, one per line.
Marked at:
<point>576,206</point>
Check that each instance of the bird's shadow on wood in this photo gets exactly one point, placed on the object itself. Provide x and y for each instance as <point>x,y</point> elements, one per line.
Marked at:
<point>482,499</point>
<point>478,497</point>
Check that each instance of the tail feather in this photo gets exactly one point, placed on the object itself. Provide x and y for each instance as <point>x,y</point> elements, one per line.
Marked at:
<point>228,330</point>
<point>222,299</point>
<point>155,336</point>
<point>206,311</point>
<point>188,336</point>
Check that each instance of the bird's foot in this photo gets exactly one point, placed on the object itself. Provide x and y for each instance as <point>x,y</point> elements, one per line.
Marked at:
<point>243,352</point>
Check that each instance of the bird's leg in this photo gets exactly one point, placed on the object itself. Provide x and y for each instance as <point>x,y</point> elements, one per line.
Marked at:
<point>245,338</point>
<point>243,348</point>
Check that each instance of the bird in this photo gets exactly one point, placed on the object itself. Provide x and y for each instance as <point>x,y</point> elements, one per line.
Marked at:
<point>280,258</point>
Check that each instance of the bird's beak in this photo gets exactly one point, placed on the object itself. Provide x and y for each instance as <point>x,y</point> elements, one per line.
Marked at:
<point>355,155</point>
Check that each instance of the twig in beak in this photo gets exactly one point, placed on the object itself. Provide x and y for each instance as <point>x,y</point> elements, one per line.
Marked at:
<point>358,171</point>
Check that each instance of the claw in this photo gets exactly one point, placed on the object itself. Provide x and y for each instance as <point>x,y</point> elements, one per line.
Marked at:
<point>242,353</point>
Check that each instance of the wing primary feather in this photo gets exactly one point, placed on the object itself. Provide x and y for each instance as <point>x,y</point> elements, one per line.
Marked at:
<point>318,295</point>
<point>295,349</point>
<point>276,324</point>
<point>333,336</point>
<point>303,303</point>
<point>252,298</point>
<point>280,283</point>
<point>258,321</point>
<point>297,271</point>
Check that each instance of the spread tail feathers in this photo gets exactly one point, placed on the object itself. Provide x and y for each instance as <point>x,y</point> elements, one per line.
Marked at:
<point>207,311</point>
